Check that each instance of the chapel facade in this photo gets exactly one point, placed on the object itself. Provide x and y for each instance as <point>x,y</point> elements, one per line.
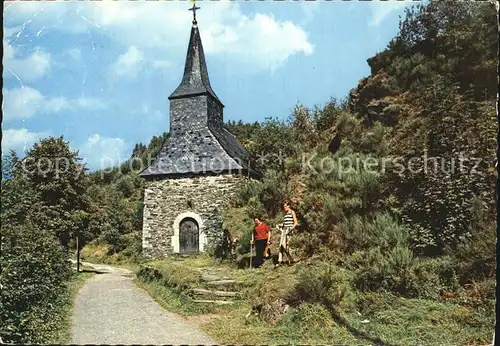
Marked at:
<point>198,169</point>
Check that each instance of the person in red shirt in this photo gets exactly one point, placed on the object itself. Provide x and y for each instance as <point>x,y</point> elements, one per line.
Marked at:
<point>261,237</point>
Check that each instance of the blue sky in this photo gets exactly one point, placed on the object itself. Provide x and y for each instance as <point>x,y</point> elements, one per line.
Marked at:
<point>99,73</point>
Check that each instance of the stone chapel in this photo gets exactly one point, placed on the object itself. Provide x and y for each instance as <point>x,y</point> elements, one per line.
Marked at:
<point>198,169</point>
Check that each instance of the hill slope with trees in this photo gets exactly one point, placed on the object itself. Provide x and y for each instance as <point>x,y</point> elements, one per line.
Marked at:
<point>368,203</point>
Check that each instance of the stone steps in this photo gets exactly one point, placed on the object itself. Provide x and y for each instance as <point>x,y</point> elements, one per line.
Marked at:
<point>219,302</point>
<point>202,291</point>
<point>210,277</point>
<point>216,288</point>
<point>212,280</point>
<point>204,294</point>
<point>222,285</point>
<point>220,282</point>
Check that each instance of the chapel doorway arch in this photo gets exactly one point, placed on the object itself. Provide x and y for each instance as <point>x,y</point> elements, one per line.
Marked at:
<point>189,236</point>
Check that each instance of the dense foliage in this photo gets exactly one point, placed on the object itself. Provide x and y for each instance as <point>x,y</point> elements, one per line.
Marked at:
<point>354,170</point>
<point>435,86</point>
<point>407,203</point>
<point>43,206</point>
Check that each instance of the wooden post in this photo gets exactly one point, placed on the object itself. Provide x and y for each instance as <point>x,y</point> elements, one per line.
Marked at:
<point>77,252</point>
<point>251,257</point>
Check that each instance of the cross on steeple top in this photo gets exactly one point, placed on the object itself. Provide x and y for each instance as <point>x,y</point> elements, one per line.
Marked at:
<point>194,8</point>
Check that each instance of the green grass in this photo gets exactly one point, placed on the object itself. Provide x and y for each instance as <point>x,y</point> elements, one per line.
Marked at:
<point>127,265</point>
<point>174,301</point>
<point>309,324</point>
<point>99,254</point>
<point>392,320</point>
<point>63,333</point>
<point>86,269</point>
<point>410,321</point>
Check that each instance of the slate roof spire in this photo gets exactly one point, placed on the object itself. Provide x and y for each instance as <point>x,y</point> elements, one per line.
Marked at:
<point>198,143</point>
<point>195,80</point>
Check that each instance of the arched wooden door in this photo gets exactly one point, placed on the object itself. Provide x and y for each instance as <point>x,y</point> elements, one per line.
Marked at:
<point>189,236</point>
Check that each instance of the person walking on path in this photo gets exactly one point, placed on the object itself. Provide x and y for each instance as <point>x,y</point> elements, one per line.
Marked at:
<point>288,225</point>
<point>261,237</point>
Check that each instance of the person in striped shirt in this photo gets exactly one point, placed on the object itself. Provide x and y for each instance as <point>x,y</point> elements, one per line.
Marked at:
<point>288,225</point>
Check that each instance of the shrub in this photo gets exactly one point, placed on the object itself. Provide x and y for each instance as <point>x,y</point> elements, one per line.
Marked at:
<point>132,246</point>
<point>389,270</point>
<point>306,244</point>
<point>244,245</point>
<point>323,284</point>
<point>171,275</point>
<point>137,215</point>
<point>399,272</point>
<point>369,268</point>
<point>178,277</point>
<point>476,256</point>
<point>347,123</point>
<point>435,276</point>
<point>223,249</point>
<point>319,224</point>
<point>115,242</point>
<point>236,221</point>
<point>369,303</point>
<point>126,185</point>
<point>96,251</point>
<point>264,196</point>
<point>334,194</point>
<point>149,274</point>
<point>481,293</point>
<point>272,138</point>
<point>33,280</point>
<point>309,316</point>
<point>383,232</point>
<point>254,207</point>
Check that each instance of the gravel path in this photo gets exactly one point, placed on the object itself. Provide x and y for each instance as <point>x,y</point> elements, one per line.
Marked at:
<point>110,309</point>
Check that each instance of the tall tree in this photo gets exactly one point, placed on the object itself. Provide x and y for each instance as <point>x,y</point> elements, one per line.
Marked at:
<point>58,178</point>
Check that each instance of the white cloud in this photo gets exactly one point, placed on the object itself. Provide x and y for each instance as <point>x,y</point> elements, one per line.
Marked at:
<point>25,102</point>
<point>68,59</point>
<point>56,104</point>
<point>75,53</point>
<point>151,114</point>
<point>103,152</point>
<point>8,32</point>
<point>382,9</point>
<point>19,140</point>
<point>21,103</point>
<point>29,68</point>
<point>89,103</point>
<point>162,64</point>
<point>42,16</point>
<point>128,64</point>
<point>309,8</point>
<point>259,41</point>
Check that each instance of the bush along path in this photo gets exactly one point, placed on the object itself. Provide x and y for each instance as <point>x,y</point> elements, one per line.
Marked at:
<point>110,309</point>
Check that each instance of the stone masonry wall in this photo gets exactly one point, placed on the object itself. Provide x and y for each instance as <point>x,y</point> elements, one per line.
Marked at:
<point>165,199</point>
